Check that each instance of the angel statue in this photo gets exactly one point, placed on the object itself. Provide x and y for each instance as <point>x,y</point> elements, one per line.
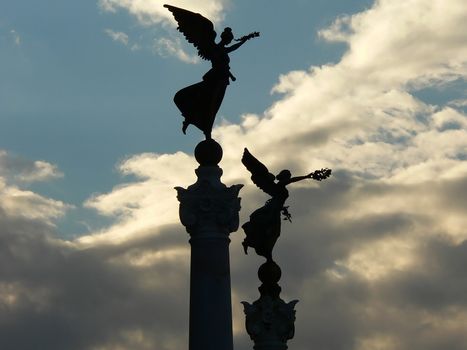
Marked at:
<point>200,102</point>
<point>264,227</point>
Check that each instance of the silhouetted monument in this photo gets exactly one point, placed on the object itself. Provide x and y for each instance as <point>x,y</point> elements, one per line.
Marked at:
<point>270,320</point>
<point>208,209</point>
<point>264,226</point>
<point>200,102</point>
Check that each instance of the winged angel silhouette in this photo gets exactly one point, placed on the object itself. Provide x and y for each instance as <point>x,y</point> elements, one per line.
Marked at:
<point>200,102</point>
<point>264,227</point>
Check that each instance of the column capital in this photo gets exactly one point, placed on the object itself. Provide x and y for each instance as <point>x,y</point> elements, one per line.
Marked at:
<point>208,208</point>
<point>270,322</point>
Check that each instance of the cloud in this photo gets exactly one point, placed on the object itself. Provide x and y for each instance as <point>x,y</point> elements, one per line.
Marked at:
<point>166,47</point>
<point>20,169</point>
<point>16,37</point>
<point>150,13</point>
<point>361,249</point>
<point>64,297</point>
<point>376,254</point>
<point>339,31</point>
<point>146,204</point>
<point>423,43</point>
<point>20,203</point>
<point>153,12</point>
<point>63,294</point>
<point>117,36</point>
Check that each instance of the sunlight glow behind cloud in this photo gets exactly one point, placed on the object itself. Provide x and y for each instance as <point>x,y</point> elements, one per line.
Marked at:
<point>376,255</point>
<point>360,118</point>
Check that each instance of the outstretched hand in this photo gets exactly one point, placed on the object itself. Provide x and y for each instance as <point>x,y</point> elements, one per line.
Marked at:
<point>248,37</point>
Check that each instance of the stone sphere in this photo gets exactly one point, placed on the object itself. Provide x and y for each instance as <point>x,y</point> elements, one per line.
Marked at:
<point>269,272</point>
<point>208,153</point>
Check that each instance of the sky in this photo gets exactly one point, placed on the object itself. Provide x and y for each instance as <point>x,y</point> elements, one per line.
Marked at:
<point>92,255</point>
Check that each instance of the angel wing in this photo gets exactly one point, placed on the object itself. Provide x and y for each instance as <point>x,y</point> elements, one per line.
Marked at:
<point>259,173</point>
<point>197,29</point>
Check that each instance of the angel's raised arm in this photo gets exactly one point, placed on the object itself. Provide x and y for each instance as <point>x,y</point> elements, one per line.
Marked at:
<point>235,46</point>
<point>241,41</point>
<point>317,175</point>
<point>299,178</point>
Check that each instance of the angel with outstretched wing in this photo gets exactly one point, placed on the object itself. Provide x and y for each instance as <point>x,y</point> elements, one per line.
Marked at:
<point>264,227</point>
<point>200,102</point>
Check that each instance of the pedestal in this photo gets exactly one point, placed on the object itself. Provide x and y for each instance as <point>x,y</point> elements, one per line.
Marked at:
<point>209,211</point>
<point>270,321</point>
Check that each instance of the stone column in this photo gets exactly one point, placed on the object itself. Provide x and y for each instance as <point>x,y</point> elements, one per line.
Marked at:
<point>209,211</point>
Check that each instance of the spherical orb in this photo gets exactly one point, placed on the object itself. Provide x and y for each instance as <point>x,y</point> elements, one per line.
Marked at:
<point>208,153</point>
<point>269,272</point>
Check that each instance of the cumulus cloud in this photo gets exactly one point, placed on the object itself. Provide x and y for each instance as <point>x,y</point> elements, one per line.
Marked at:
<point>16,201</point>
<point>66,295</point>
<point>153,12</point>
<point>398,163</point>
<point>339,31</point>
<point>376,254</point>
<point>106,297</point>
<point>148,203</point>
<point>22,203</point>
<point>19,202</point>
<point>16,168</point>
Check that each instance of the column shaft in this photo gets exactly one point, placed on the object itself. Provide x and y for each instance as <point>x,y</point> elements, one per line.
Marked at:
<point>210,295</point>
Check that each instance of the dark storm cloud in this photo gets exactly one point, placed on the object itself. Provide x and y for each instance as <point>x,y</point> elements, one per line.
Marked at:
<point>133,294</point>
<point>108,296</point>
<point>66,298</point>
<point>420,306</point>
<point>439,281</point>
<point>451,195</point>
<point>316,238</point>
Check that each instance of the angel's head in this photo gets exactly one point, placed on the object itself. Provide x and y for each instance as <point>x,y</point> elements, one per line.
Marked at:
<point>227,36</point>
<point>284,176</point>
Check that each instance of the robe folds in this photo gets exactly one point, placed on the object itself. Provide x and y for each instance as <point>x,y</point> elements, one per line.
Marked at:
<point>200,102</point>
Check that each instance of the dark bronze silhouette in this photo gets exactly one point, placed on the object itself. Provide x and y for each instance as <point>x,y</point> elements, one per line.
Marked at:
<point>200,102</point>
<point>264,226</point>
